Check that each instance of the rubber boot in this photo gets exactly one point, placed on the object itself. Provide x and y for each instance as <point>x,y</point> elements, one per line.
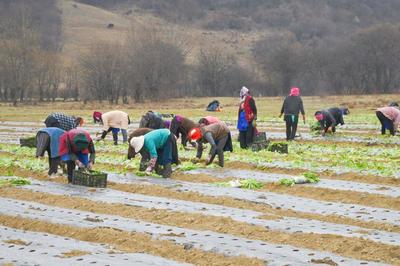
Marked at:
<point>221,158</point>
<point>167,171</point>
<point>158,170</point>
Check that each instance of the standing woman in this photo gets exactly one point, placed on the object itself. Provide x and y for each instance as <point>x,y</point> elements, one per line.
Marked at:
<point>247,116</point>
<point>389,117</point>
<point>292,105</point>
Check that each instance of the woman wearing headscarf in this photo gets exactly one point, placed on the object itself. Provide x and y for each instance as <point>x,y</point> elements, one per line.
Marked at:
<point>219,137</point>
<point>113,121</point>
<point>208,120</point>
<point>247,116</point>
<point>161,145</point>
<point>48,139</point>
<point>144,154</point>
<point>74,149</point>
<point>63,121</point>
<point>180,126</point>
<point>389,117</point>
<point>291,107</point>
<point>327,120</point>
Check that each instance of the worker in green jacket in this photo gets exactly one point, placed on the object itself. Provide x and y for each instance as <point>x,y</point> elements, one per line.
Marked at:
<point>161,145</point>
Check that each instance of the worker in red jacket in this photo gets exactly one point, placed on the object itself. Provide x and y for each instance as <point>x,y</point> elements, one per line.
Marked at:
<point>75,147</point>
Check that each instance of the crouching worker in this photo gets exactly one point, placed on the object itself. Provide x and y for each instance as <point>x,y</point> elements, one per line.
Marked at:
<point>219,137</point>
<point>48,139</point>
<point>161,145</point>
<point>326,119</point>
<point>144,154</point>
<point>75,147</point>
<point>390,119</point>
<point>114,122</point>
<point>180,126</point>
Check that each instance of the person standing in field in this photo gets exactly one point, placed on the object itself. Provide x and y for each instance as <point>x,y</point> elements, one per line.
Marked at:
<point>389,117</point>
<point>63,121</point>
<point>247,116</point>
<point>113,121</point>
<point>291,107</point>
<point>219,137</point>
<point>74,149</point>
<point>48,139</point>
<point>161,145</point>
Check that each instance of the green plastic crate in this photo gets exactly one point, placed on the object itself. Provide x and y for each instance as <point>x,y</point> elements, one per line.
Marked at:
<point>29,142</point>
<point>89,178</point>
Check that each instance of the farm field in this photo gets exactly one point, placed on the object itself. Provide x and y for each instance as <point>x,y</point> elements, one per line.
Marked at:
<point>350,217</point>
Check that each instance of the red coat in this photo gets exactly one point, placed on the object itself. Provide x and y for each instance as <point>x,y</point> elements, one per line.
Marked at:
<point>66,142</point>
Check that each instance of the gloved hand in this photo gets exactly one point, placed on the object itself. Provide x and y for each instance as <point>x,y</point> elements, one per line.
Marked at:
<point>149,169</point>
<point>79,164</point>
<point>152,165</point>
<point>208,160</point>
<point>90,165</point>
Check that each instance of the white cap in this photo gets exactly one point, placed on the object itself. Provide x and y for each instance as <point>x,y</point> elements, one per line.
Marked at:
<point>137,143</point>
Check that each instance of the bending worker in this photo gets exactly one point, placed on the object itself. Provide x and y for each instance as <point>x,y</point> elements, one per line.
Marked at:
<point>75,147</point>
<point>113,121</point>
<point>219,137</point>
<point>63,121</point>
<point>161,145</point>
<point>48,139</point>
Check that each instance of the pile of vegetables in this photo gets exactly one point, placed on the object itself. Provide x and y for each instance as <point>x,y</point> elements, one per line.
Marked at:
<point>307,177</point>
<point>249,183</point>
<point>316,126</point>
<point>17,181</point>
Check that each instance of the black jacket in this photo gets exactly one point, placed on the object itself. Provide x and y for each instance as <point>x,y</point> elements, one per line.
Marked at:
<point>337,114</point>
<point>292,105</point>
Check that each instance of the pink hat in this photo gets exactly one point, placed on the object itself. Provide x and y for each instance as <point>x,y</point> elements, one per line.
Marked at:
<point>294,91</point>
<point>97,116</point>
<point>319,116</point>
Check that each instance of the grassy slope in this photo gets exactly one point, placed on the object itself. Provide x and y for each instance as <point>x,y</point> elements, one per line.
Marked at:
<point>85,25</point>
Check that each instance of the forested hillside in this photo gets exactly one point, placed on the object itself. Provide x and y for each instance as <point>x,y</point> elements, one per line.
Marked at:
<point>140,49</point>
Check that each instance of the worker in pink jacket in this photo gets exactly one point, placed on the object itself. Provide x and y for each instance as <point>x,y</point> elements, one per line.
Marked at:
<point>389,117</point>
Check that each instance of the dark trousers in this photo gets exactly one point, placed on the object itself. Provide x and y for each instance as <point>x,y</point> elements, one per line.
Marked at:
<point>246,138</point>
<point>219,150</point>
<point>70,170</point>
<point>42,146</point>
<point>386,123</point>
<point>291,126</point>
<point>115,134</point>
<point>53,165</point>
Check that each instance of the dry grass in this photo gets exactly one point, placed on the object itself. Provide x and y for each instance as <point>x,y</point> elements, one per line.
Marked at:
<point>268,107</point>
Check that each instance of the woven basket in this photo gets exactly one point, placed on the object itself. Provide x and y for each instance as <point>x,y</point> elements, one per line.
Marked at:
<point>260,142</point>
<point>89,178</point>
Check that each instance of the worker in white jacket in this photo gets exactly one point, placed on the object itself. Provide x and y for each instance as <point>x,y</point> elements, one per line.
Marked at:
<point>113,121</point>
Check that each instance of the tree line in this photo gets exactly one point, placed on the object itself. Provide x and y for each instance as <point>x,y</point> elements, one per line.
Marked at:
<point>151,63</point>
